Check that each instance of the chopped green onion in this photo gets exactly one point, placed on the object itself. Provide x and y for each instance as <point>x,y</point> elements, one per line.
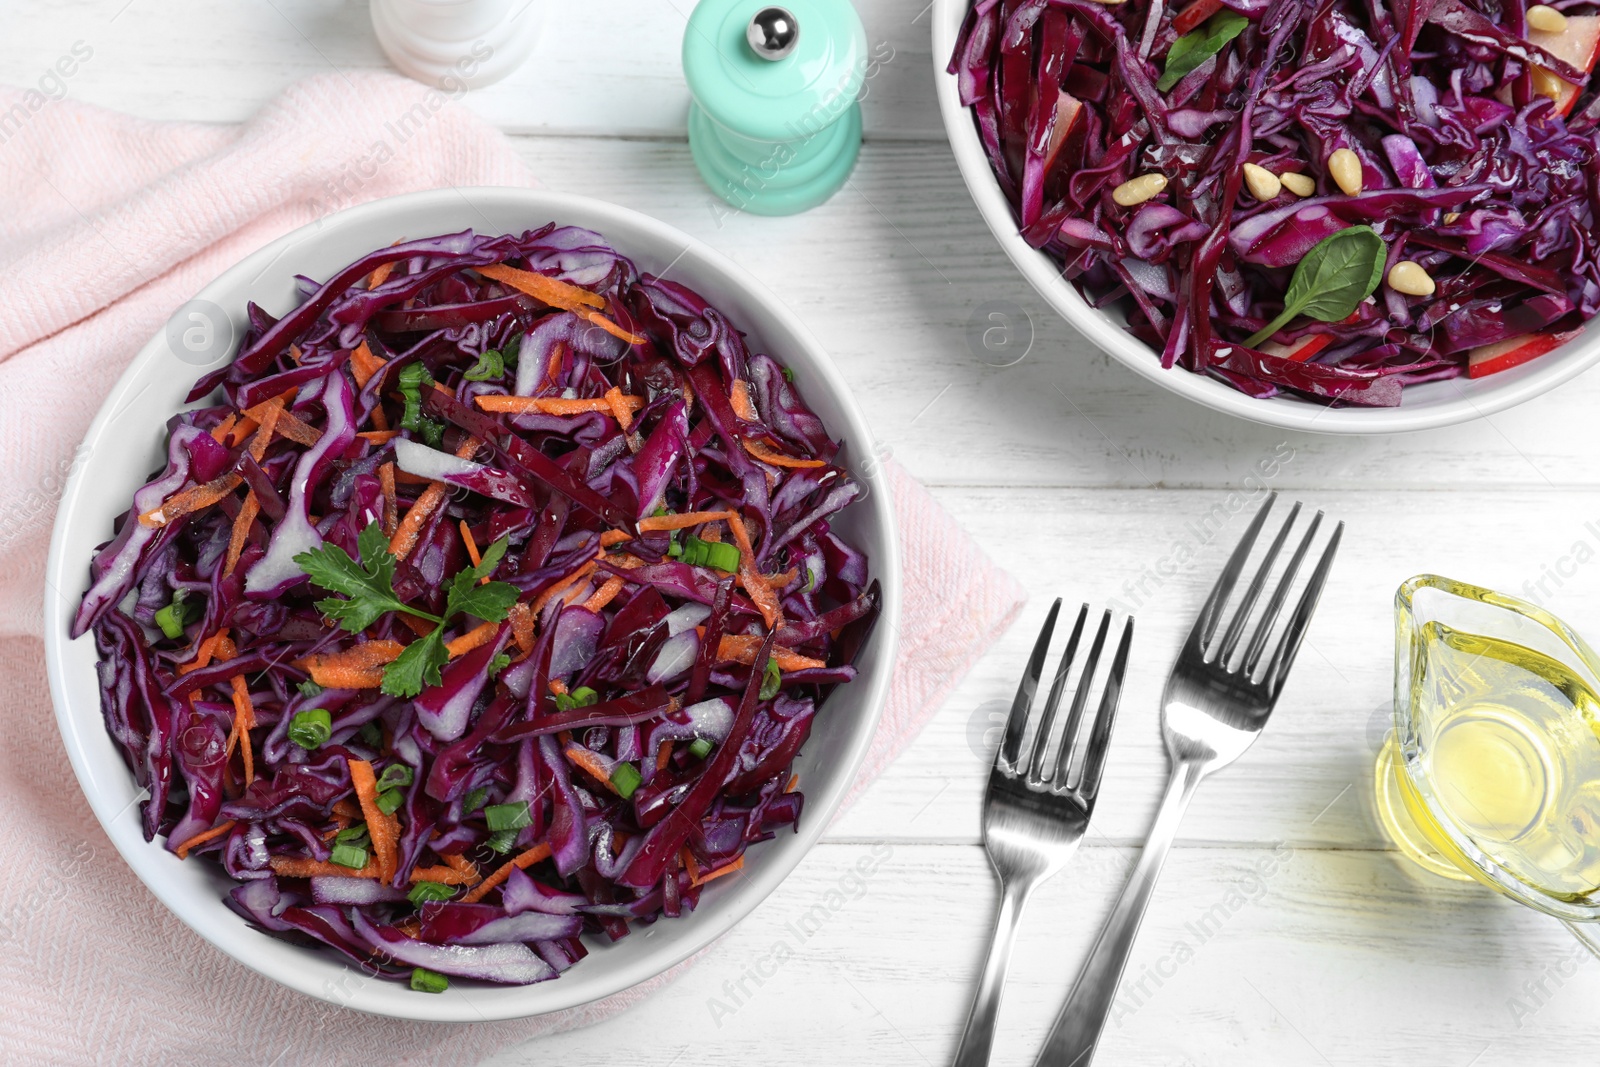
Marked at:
<point>310,728</point>
<point>625,779</point>
<point>583,697</point>
<point>426,981</point>
<point>701,747</point>
<point>390,800</point>
<point>178,614</point>
<point>490,365</point>
<point>674,551</point>
<point>788,375</point>
<point>811,580</point>
<point>423,892</point>
<point>498,664</point>
<point>502,840</point>
<point>473,801</point>
<point>352,856</point>
<point>771,681</point>
<point>722,556</point>
<point>353,835</point>
<point>308,688</point>
<point>413,380</point>
<point>396,774</point>
<point>513,816</point>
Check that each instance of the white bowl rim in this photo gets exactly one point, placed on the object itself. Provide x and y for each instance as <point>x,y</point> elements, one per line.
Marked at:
<point>483,1002</point>
<point>1473,398</point>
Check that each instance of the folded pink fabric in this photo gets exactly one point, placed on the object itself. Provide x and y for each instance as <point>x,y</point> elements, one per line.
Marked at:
<point>111,224</point>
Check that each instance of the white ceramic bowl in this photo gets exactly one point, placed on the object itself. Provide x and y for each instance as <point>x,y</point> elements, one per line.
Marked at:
<point>126,442</point>
<point>1425,406</point>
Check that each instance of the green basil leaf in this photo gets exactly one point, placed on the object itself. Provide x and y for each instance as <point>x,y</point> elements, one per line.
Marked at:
<point>1193,49</point>
<point>1331,280</point>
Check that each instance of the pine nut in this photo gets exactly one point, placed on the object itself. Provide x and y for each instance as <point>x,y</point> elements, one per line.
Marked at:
<point>1547,84</point>
<point>1298,184</point>
<point>1450,217</point>
<point>1263,184</point>
<point>1345,167</point>
<point>1409,278</point>
<point>1546,19</point>
<point>1137,190</point>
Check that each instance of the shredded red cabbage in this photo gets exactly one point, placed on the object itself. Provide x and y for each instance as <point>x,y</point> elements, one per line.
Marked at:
<point>624,732</point>
<point>1474,132</point>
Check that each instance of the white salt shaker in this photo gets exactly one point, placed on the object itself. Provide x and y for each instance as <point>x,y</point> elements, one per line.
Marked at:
<point>456,44</point>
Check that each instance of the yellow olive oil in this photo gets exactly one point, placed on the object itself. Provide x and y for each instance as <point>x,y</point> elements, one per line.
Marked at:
<point>1509,741</point>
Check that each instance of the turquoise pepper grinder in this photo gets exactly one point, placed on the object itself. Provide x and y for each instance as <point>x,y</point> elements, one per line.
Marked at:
<point>774,127</point>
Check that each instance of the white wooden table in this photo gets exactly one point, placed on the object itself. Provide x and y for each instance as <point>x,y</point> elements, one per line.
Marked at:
<point>1285,930</point>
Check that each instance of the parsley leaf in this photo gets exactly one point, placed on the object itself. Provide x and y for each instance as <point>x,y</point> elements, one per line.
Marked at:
<point>369,584</point>
<point>417,666</point>
<point>489,602</point>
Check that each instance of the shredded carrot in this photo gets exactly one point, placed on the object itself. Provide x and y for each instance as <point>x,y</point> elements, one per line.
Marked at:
<point>188,501</point>
<point>346,808</point>
<point>410,528</point>
<point>259,410</point>
<point>680,522</point>
<point>761,593</point>
<point>614,537</point>
<point>383,829</point>
<point>472,546</point>
<point>690,865</point>
<point>378,437</point>
<point>501,873</point>
<point>244,719</point>
<point>295,867</point>
<point>743,406</point>
<point>476,637</point>
<point>522,620</point>
<point>364,364</point>
<point>743,648</point>
<point>588,315</point>
<point>420,627</point>
<point>555,405</point>
<point>465,866</point>
<point>241,431</point>
<point>558,353</point>
<point>301,433</point>
<point>219,432</point>
<point>619,407</point>
<point>443,874</point>
<point>295,355</point>
<point>552,291</point>
<point>560,585</point>
<point>391,505</point>
<point>663,755</point>
<point>582,757</point>
<point>202,837</point>
<point>407,478</point>
<point>358,667</point>
<point>267,425</point>
<point>605,594</point>
<point>794,780</point>
<point>204,651</point>
<point>778,459</point>
<point>241,530</point>
<point>379,275</point>
<point>558,687</point>
<point>380,420</point>
<point>711,533</point>
<point>736,865</point>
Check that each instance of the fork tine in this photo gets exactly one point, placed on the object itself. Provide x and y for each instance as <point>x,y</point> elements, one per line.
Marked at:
<point>1094,761</point>
<point>1258,641</point>
<point>1206,624</point>
<point>1047,722</point>
<point>1017,723</point>
<point>1241,615</point>
<point>1069,737</point>
<point>1283,658</point>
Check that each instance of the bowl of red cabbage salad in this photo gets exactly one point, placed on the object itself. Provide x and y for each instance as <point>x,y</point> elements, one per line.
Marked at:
<point>483,604</point>
<point>1327,200</point>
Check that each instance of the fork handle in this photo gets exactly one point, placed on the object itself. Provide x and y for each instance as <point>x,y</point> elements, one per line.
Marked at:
<point>978,1037</point>
<point>1077,1029</point>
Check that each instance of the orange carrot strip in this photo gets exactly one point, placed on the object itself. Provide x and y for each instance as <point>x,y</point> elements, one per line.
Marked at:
<point>301,433</point>
<point>736,865</point>
<point>188,501</point>
<point>690,865</point>
<point>241,430</point>
<point>555,405</point>
<point>473,638</point>
<point>582,757</point>
<point>619,407</point>
<point>590,315</point>
<point>560,585</point>
<point>364,364</point>
<point>202,837</point>
<point>552,291</point>
<point>472,546</point>
<point>794,780</point>
<point>379,275</point>
<point>391,504</point>
<point>614,537</point>
<point>557,687</point>
<point>410,528</point>
<point>219,433</point>
<point>443,875</point>
<point>761,593</point>
<point>465,866</point>
<point>501,873</point>
<point>380,420</point>
<point>739,400</point>
<point>378,437</point>
<point>383,829</point>
<point>605,594</point>
<point>203,652</point>
<point>679,522</point>
<point>358,667</point>
<point>522,620</point>
<point>260,409</point>
<point>742,648</point>
<point>778,459</point>
<point>295,867</point>
<point>663,755</point>
<point>241,530</point>
<point>244,718</point>
<point>266,427</point>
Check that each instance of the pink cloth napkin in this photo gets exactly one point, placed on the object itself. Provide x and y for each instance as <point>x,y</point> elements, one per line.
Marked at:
<point>110,224</point>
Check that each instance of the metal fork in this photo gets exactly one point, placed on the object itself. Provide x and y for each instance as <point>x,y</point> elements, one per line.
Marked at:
<point>1033,818</point>
<point>1215,705</point>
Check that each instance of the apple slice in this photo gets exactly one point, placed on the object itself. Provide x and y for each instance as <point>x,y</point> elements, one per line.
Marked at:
<point>1579,45</point>
<point>1513,352</point>
<point>1067,108</point>
<point>1300,350</point>
<point>1193,15</point>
